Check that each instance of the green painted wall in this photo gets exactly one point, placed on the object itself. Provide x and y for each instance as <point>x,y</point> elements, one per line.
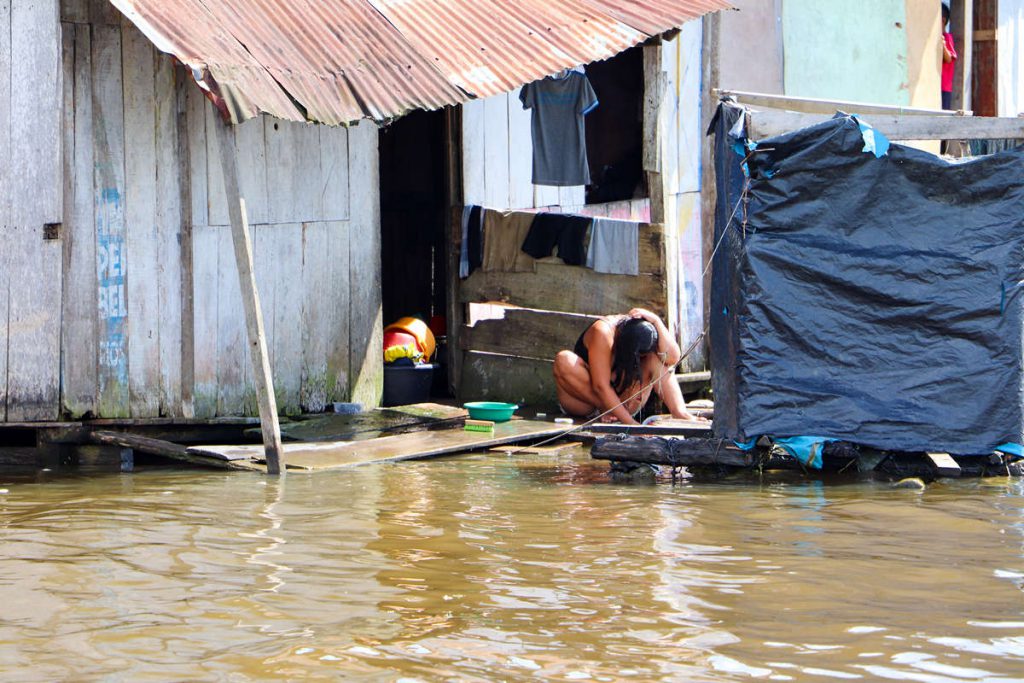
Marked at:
<point>846,50</point>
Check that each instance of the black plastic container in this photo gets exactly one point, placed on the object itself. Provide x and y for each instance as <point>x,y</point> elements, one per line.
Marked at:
<point>406,384</point>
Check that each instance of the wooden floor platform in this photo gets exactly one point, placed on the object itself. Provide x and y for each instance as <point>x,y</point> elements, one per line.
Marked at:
<point>333,455</point>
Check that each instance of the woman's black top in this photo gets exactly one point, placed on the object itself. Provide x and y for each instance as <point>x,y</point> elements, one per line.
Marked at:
<point>581,349</point>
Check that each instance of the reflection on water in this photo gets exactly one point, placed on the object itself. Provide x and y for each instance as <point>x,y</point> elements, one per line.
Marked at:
<point>493,567</point>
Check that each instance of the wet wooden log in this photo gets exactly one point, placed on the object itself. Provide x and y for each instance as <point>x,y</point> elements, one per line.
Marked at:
<point>656,450</point>
<point>164,449</point>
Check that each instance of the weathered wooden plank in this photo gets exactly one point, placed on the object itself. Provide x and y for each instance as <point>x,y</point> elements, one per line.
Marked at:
<point>527,333</point>
<point>102,12</point>
<point>336,317</point>
<point>767,123</point>
<point>232,349</point>
<point>366,374</point>
<point>109,197</point>
<point>294,183</point>
<point>7,233</point>
<point>655,92</point>
<point>417,445</point>
<point>256,342</point>
<point>198,177</point>
<point>76,11</point>
<point>316,310</point>
<point>526,381</point>
<point>496,152</point>
<point>545,195</point>
<point>670,451</point>
<point>520,161</point>
<point>142,286</point>
<point>689,132</point>
<point>810,105</point>
<point>334,172</point>
<point>252,171</point>
<point>205,281</point>
<point>473,140</point>
<point>566,288</point>
<point>288,295</point>
<point>183,174</point>
<point>80,325</point>
<point>36,187</point>
<point>266,267</point>
<point>168,279</point>
<point>166,449</point>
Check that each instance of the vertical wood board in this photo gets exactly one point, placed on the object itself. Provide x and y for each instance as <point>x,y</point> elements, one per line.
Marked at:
<point>168,279</point>
<point>36,199</point>
<point>317,302</point>
<point>334,173</point>
<point>205,287</point>
<point>80,307</point>
<point>109,197</point>
<point>142,285</point>
<point>366,373</point>
<point>520,149</point>
<point>496,152</point>
<point>473,136</point>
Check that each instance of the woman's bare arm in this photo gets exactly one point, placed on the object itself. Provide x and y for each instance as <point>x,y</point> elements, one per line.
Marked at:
<point>599,340</point>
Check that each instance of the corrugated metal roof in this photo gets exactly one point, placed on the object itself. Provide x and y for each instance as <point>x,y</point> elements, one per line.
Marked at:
<point>338,61</point>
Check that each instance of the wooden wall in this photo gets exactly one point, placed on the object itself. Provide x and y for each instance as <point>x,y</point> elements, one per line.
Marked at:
<point>135,311</point>
<point>31,197</point>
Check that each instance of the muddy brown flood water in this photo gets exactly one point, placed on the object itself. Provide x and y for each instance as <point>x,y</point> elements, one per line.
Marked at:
<point>490,567</point>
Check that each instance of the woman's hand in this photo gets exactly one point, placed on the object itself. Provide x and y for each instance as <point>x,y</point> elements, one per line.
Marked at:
<point>644,314</point>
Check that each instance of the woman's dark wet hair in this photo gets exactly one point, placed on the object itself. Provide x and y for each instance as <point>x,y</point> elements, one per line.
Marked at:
<point>634,337</point>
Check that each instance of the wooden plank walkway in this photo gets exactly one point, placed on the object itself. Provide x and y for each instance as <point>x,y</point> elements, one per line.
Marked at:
<point>333,455</point>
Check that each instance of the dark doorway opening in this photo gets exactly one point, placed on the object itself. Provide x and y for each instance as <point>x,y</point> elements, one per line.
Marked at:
<point>615,130</point>
<point>413,214</point>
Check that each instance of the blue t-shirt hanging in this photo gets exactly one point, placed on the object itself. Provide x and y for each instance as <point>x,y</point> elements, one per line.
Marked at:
<point>558,106</point>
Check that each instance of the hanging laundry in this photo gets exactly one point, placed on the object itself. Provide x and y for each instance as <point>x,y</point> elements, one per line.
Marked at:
<point>472,248</point>
<point>614,247</point>
<point>558,106</point>
<point>504,232</point>
<point>550,230</point>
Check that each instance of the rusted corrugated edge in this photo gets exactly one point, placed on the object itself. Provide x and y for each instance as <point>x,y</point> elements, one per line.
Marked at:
<point>339,61</point>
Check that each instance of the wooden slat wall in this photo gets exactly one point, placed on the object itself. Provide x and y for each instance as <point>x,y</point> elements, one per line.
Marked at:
<point>31,119</point>
<point>497,159</point>
<point>143,275</point>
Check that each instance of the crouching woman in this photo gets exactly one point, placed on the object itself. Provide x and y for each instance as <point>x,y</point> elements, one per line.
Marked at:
<point>615,364</point>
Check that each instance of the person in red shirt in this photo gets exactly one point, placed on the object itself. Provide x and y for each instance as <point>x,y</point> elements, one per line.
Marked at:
<point>949,58</point>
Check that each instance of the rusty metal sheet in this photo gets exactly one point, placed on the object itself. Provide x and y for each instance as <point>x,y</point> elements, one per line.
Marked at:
<point>338,61</point>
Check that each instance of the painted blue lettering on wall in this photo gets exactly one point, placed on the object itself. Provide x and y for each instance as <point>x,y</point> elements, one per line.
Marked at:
<point>111,294</point>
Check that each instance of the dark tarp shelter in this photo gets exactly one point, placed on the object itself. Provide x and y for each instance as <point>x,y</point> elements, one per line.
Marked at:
<point>871,299</point>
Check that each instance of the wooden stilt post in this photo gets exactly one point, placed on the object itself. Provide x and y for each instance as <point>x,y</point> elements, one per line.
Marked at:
<point>250,299</point>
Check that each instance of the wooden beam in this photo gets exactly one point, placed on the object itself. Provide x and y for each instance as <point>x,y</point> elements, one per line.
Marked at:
<point>809,105</point>
<point>250,300</point>
<point>566,288</point>
<point>675,452</point>
<point>165,449</point>
<point>766,123</point>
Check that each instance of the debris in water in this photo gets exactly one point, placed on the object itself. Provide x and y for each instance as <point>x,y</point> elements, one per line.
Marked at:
<point>912,483</point>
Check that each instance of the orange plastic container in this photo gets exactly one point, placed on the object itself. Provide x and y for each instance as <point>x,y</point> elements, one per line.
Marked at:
<point>418,329</point>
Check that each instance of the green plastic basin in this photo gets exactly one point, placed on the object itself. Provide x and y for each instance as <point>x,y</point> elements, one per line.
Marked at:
<point>490,410</point>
